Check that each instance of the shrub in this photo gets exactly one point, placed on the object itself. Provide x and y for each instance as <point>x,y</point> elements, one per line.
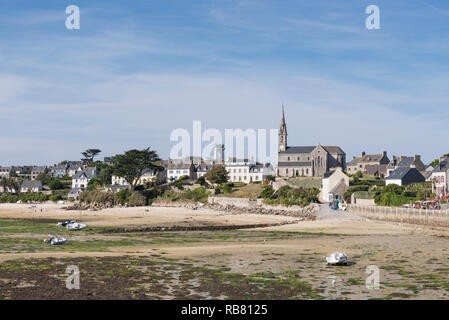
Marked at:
<point>56,184</point>
<point>136,199</point>
<point>123,196</point>
<point>267,192</point>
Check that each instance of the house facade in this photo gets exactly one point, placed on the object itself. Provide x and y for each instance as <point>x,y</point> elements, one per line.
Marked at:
<point>82,178</point>
<point>248,172</point>
<point>294,161</point>
<point>334,183</point>
<point>148,176</point>
<point>4,172</point>
<point>440,178</point>
<point>178,170</point>
<point>404,176</point>
<point>366,161</point>
<point>36,171</point>
<point>31,186</point>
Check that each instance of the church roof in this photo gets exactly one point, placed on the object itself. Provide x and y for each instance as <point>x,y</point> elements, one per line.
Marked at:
<point>333,149</point>
<point>295,164</point>
<point>300,149</point>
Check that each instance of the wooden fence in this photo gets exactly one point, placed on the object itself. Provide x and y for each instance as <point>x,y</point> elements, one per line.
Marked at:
<point>437,218</point>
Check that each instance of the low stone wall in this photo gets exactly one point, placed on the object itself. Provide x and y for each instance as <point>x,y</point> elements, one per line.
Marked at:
<point>256,206</point>
<point>436,218</point>
<point>238,202</point>
<point>364,202</point>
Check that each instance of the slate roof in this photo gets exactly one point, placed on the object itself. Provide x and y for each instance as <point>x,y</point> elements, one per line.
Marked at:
<point>372,169</point>
<point>31,184</point>
<point>295,164</point>
<point>88,173</point>
<point>334,149</point>
<point>399,173</point>
<point>327,174</point>
<point>301,149</point>
<point>366,158</point>
<point>442,166</point>
<point>406,162</point>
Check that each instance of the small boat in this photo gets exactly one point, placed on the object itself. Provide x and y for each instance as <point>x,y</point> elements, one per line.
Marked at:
<point>55,239</point>
<point>63,224</point>
<point>337,258</point>
<point>75,226</point>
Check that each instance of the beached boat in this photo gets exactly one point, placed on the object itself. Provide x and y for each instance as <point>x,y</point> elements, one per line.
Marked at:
<point>338,258</point>
<point>75,226</point>
<point>55,239</point>
<point>64,223</point>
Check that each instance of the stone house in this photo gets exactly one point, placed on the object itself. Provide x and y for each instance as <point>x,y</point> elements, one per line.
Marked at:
<point>361,163</point>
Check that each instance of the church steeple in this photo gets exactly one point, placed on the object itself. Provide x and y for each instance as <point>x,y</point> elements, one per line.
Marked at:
<point>282,133</point>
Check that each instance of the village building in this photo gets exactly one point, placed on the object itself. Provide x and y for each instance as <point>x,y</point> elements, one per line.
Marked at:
<point>440,178</point>
<point>31,186</point>
<point>36,171</point>
<point>148,175</point>
<point>403,176</point>
<point>178,170</point>
<point>4,172</point>
<point>294,161</point>
<point>406,162</point>
<point>334,183</point>
<point>247,172</point>
<point>361,163</point>
<point>376,170</point>
<point>81,178</point>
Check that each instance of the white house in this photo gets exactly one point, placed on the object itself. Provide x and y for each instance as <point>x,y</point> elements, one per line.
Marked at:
<point>4,172</point>
<point>31,186</point>
<point>334,183</point>
<point>178,170</point>
<point>247,172</point>
<point>440,178</point>
<point>82,178</point>
<point>148,176</point>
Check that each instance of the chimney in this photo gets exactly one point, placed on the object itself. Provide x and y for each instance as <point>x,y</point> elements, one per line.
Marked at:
<point>384,153</point>
<point>402,158</point>
<point>417,157</point>
<point>363,153</point>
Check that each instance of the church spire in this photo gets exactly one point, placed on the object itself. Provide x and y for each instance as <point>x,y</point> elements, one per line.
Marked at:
<point>282,133</point>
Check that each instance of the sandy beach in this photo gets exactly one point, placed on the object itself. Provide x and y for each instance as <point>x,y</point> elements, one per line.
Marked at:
<point>412,260</point>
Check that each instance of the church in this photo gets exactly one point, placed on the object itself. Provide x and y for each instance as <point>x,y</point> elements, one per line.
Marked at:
<point>311,161</point>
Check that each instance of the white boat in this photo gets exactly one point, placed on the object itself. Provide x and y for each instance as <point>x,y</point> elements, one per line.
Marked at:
<point>54,239</point>
<point>75,226</point>
<point>338,258</point>
<point>63,224</point>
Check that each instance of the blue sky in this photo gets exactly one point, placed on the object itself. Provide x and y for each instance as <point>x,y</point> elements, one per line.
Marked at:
<point>136,70</point>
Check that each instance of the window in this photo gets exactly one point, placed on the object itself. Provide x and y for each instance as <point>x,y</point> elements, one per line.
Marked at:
<point>288,158</point>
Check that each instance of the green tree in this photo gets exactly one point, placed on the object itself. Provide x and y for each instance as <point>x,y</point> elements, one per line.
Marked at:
<point>217,175</point>
<point>132,164</point>
<point>90,154</point>
<point>12,173</point>
<point>56,184</point>
<point>45,178</point>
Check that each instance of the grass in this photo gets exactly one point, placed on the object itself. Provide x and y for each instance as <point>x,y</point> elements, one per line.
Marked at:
<point>154,278</point>
<point>251,190</point>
